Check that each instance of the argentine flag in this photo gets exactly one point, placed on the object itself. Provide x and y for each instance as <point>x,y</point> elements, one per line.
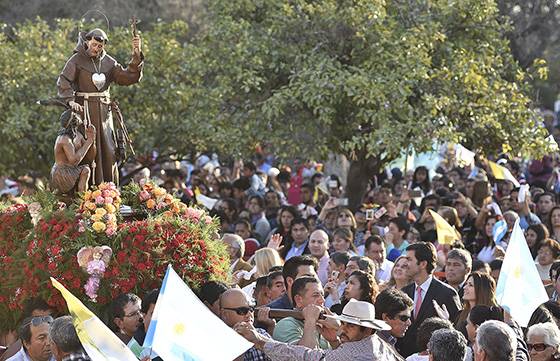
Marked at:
<point>184,329</point>
<point>499,231</point>
<point>520,289</point>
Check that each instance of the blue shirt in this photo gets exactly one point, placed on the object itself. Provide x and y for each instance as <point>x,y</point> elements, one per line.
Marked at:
<point>296,251</point>
<point>283,303</point>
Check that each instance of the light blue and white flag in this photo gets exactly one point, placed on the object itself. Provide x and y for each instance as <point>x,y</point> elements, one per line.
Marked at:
<point>499,231</point>
<point>520,289</point>
<point>184,329</point>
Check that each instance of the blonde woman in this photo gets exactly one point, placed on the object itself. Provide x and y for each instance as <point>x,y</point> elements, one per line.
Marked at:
<point>264,260</point>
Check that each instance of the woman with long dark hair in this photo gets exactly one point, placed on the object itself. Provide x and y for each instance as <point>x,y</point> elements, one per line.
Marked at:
<point>479,289</point>
<point>361,286</point>
<point>534,235</point>
<point>421,179</point>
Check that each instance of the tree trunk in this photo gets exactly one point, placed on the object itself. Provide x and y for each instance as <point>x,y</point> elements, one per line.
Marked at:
<point>361,171</point>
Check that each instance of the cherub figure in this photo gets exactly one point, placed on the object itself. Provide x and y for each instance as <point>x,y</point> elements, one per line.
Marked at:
<point>94,260</point>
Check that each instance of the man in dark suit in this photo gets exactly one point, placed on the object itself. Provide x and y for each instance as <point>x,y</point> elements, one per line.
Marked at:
<point>421,261</point>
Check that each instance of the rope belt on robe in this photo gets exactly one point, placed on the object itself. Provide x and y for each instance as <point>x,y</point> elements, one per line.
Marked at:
<point>103,97</point>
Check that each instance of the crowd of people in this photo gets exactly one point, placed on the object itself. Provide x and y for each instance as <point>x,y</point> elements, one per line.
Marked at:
<point>311,279</point>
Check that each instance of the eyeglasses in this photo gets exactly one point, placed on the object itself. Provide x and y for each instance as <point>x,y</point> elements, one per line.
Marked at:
<point>539,347</point>
<point>39,320</point>
<point>402,318</point>
<point>241,311</point>
<point>134,314</point>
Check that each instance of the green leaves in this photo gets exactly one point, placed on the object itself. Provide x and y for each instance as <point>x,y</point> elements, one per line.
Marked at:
<point>303,78</point>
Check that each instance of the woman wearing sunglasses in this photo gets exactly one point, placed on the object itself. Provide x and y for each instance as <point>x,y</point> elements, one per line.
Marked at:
<point>543,342</point>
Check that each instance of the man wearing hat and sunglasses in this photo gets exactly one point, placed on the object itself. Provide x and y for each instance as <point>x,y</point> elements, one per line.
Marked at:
<point>356,333</point>
<point>84,85</point>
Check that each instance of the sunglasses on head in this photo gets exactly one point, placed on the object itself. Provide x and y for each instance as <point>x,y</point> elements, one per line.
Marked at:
<point>537,347</point>
<point>39,320</point>
<point>241,311</point>
<point>403,318</point>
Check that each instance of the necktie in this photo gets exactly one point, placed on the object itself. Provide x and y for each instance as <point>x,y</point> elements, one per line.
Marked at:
<point>418,301</point>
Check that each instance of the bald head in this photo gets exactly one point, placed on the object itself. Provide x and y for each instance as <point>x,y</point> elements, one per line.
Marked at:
<point>235,307</point>
<point>318,243</point>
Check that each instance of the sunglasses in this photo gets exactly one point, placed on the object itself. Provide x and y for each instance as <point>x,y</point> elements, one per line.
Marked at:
<point>402,318</point>
<point>241,311</point>
<point>539,347</point>
<point>39,320</point>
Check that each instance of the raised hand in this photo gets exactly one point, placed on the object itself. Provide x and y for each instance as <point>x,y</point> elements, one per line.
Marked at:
<point>441,310</point>
<point>275,241</point>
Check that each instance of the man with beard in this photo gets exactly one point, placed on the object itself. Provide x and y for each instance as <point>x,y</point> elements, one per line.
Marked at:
<point>84,85</point>
<point>358,339</point>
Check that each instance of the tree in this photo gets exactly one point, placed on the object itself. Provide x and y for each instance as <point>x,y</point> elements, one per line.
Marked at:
<point>533,33</point>
<point>368,79</point>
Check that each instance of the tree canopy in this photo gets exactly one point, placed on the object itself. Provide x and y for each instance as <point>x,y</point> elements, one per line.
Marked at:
<point>363,78</point>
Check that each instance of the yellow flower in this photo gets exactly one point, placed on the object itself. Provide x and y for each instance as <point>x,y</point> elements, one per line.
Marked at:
<point>158,191</point>
<point>168,214</point>
<point>90,206</point>
<point>99,226</point>
<point>151,204</point>
<point>101,211</point>
<point>168,199</point>
<point>111,217</point>
<point>87,195</point>
<point>110,208</point>
<point>96,194</point>
<point>96,217</point>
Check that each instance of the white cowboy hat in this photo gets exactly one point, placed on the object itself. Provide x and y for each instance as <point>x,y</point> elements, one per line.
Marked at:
<point>361,313</point>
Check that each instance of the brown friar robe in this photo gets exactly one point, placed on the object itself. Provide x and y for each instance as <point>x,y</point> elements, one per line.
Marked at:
<point>77,77</point>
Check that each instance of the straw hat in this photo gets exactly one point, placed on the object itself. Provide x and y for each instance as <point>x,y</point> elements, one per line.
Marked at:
<point>361,313</point>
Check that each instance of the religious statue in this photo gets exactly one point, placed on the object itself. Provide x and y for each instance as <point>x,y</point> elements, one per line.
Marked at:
<point>94,260</point>
<point>84,86</point>
<point>70,149</point>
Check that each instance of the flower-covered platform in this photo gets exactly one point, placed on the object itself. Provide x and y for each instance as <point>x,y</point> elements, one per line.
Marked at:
<point>99,253</point>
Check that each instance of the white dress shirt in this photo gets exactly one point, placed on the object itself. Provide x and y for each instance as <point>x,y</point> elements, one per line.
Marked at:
<point>424,286</point>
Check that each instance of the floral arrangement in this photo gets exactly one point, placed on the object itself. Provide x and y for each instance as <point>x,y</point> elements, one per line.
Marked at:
<point>99,209</point>
<point>141,251</point>
<point>152,199</point>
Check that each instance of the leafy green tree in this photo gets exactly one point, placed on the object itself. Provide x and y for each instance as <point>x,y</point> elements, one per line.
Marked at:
<point>368,79</point>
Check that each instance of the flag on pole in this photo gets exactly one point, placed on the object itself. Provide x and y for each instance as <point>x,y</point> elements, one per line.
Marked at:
<point>183,328</point>
<point>446,234</point>
<point>501,172</point>
<point>463,156</point>
<point>99,342</point>
<point>520,289</point>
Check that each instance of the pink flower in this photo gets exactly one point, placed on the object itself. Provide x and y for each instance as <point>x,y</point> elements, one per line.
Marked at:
<point>111,231</point>
<point>108,200</point>
<point>207,219</point>
<point>144,196</point>
<point>161,205</point>
<point>106,193</point>
<point>100,200</point>
<point>193,213</point>
<point>81,226</point>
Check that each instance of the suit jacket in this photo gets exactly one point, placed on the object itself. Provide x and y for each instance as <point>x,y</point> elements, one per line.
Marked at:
<point>442,294</point>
